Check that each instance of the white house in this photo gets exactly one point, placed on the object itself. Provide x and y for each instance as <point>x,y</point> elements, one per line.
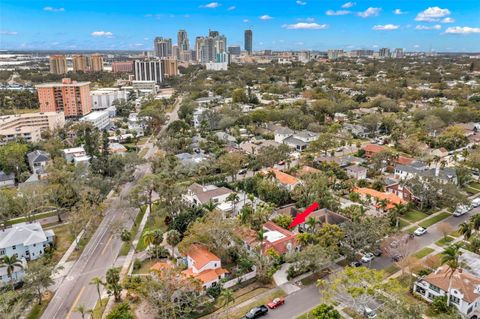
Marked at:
<point>197,116</point>
<point>357,172</point>
<point>136,124</point>
<point>464,289</point>
<point>76,155</point>
<point>198,195</point>
<point>24,240</point>
<point>204,266</point>
<point>297,140</point>
<point>38,160</point>
<point>422,170</point>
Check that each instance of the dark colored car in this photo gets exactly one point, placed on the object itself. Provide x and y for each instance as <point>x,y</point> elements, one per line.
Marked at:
<point>242,172</point>
<point>397,258</point>
<point>355,264</point>
<point>257,312</point>
<point>377,253</point>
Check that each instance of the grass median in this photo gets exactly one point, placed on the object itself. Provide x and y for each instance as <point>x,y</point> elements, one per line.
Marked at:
<point>435,219</point>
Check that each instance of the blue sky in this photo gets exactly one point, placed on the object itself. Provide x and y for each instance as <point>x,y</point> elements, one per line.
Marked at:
<point>452,25</point>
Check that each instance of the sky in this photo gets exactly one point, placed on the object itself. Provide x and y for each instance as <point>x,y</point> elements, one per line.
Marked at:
<point>415,25</point>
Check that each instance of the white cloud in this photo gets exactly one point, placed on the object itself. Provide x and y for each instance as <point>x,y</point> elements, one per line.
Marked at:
<point>310,19</point>
<point>462,30</point>
<point>231,8</point>
<point>305,26</point>
<point>300,3</point>
<point>432,14</point>
<point>211,5</point>
<point>106,34</point>
<point>337,13</point>
<point>246,20</point>
<point>416,46</point>
<point>370,12</point>
<point>448,20</point>
<point>138,44</point>
<point>4,32</point>
<point>428,27</point>
<point>348,5</point>
<point>385,27</point>
<point>265,17</point>
<point>398,11</point>
<point>52,9</point>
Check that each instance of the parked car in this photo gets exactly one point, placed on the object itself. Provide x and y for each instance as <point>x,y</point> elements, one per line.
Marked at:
<point>420,231</point>
<point>257,312</point>
<point>242,172</point>
<point>368,257</point>
<point>355,264</point>
<point>377,252</point>
<point>277,302</point>
<point>369,313</point>
<point>476,202</point>
<point>461,210</point>
<point>397,258</point>
<point>281,163</point>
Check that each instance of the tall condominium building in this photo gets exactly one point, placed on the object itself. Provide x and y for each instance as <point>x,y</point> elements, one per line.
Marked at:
<point>58,64</point>
<point>169,67</point>
<point>248,41</point>
<point>213,34</point>
<point>148,71</point>
<point>124,66</point>
<point>175,52</point>
<point>335,54</point>
<point>384,52</point>
<point>398,53</point>
<point>234,50</point>
<point>182,41</point>
<point>70,97</point>
<point>29,126</point>
<point>162,47</point>
<point>208,47</point>
<point>96,62</point>
<point>199,41</point>
<point>222,57</point>
<point>220,44</point>
<point>80,63</point>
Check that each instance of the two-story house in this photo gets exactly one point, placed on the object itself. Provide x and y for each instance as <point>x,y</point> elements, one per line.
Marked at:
<point>298,140</point>
<point>463,288</point>
<point>24,240</point>
<point>422,170</point>
<point>204,266</point>
<point>202,194</point>
<point>284,180</point>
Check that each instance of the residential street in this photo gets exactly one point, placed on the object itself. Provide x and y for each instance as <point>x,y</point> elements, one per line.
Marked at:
<point>101,251</point>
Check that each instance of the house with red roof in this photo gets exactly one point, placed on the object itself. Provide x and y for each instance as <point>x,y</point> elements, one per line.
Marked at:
<point>204,266</point>
<point>278,238</point>
<point>390,198</point>
<point>372,149</point>
<point>284,180</point>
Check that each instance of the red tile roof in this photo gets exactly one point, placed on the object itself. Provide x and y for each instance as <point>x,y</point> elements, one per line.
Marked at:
<point>373,148</point>
<point>200,255</point>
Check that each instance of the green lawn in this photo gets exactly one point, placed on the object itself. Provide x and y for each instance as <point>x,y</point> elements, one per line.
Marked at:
<point>99,309</point>
<point>423,252</point>
<point>414,216</point>
<point>126,246</point>
<point>411,229</point>
<point>435,219</point>
<point>36,217</point>
<point>352,313</point>
<point>471,190</point>
<point>240,313</point>
<point>156,221</point>
<point>403,223</point>
<point>390,270</point>
<point>444,241</point>
<point>308,315</point>
<point>37,310</point>
<point>474,184</point>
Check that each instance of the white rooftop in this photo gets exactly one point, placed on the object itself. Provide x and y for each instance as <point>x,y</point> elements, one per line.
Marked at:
<point>94,116</point>
<point>74,150</point>
<point>24,234</point>
<point>273,236</point>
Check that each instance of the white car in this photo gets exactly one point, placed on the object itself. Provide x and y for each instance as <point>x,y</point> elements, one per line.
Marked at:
<point>420,231</point>
<point>369,313</point>
<point>461,210</point>
<point>476,202</point>
<point>368,257</point>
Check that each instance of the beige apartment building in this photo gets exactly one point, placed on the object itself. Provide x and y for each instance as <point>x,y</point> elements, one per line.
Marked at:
<point>96,62</point>
<point>70,97</point>
<point>29,126</point>
<point>169,67</point>
<point>58,64</point>
<point>80,63</point>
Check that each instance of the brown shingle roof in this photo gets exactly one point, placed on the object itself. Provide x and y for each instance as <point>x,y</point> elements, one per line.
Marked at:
<point>466,283</point>
<point>205,195</point>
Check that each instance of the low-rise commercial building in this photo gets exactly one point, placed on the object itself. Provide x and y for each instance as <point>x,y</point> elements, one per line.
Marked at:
<point>103,98</point>
<point>99,119</point>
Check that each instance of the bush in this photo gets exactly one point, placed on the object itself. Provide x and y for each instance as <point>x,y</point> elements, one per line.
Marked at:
<point>121,311</point>
<point>325,312</point>
<point>137,264</point>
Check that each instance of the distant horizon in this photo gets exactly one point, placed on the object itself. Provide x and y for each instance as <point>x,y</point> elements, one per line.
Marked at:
<point>279,25</point>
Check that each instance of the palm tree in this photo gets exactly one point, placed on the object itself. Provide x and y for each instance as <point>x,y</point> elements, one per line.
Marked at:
<point>475,221</point>
<point>82,310</point>
<point>451,257</point>
<point>226,298</point>
<point>173,239</point>
<point>311,223</point>
<point>210,206</point>
<point>148,238</point>
<point>233,198</point>
<point>261,237</point>
<point>465,229</point>
<point>10,263</point>
<point>97,281</point>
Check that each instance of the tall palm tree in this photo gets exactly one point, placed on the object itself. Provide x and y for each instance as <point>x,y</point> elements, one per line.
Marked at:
<point>210,206</point>
<point>10,263</point>
<point>97,281</point>
<point>261,237</point>
<point>82,310</point>
<point>226,298</point>
<point>451,257</point>
<point>311,224</point>
<point>233,198</point>
<point>465,229</point>
<point>148,238</point>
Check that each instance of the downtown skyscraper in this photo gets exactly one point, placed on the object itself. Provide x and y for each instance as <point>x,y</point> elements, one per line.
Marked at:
<point>162,47</point>
<point>248,41</point>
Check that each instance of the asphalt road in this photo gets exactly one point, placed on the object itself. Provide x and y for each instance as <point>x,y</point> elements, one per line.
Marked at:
<point>100,253</point>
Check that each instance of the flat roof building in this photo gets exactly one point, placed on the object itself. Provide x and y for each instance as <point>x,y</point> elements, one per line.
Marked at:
<point>70,97</point>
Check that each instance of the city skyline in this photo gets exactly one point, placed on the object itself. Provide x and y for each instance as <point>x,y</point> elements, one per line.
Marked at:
<point>288,25</point>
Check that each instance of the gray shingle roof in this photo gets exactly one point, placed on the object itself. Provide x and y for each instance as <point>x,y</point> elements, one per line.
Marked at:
<point>23,234</point>
<point>6,177</point>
